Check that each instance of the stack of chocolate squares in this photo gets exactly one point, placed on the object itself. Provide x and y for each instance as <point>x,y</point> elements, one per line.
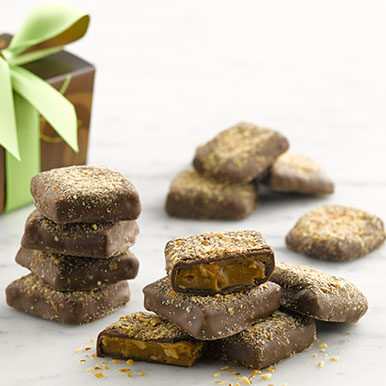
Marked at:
<point>229,169</point>
<point>217,302</point>
<point>76,245</point>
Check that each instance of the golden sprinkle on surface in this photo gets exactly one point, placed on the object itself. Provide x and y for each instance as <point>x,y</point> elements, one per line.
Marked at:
<point>145,326</point>
<point>321,364</point>
<point>89,369</point>
<point>124,370</point>
<point>87,348</point>
<point>224,368</point>
<point>99,375</point>
<point>92,340</point>
<point>141,374</point>
<point>105,367</point>
<point>315,355</point>
<point>129,361</point>
<point>336,232</point>
<point>82,360</point>
<point>246,381</point>
<point>78,350</point>
<point>265,377</point>
<point>115,361</point>
<point>334,359</point>
<point>322,345</point>
<point>216,375</point>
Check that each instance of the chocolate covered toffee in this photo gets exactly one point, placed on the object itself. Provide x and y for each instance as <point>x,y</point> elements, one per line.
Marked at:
<point>86,194</point>
<point>209,263</point>
<point>145,336</point>
<point>240,153</point>
<point>317,294</point>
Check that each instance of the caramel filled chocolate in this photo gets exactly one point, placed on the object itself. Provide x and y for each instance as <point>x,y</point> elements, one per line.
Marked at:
<point>240,153</point>
<point>213,316</point>
<point>209,263</point>
<point>147,337</point>
<point>79,239</point>
<point>267,342</point>
<point>317,294</point>
<point>30,295</point>
<point>194,196</point>
<point>85,194</point>
<point>71,273</point>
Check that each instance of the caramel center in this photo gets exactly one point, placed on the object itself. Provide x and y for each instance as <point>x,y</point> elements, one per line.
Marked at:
<point>222,274</point>
<point>181,353</point>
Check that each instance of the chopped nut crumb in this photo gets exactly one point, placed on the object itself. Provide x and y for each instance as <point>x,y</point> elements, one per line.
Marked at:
<point>216,375</point>
<point>124,370</point>
<point>270,369</point>
<point>129,361</point>
<point>82,360</point>
<point>115,361</point>
<point>315,355</point>
<point>256,371</point>
<point>323,345</point>
<point>99,375</point>
<point>285,384</point>
<point>232,372</point>
<point>105,367</point>
<point>87,348</point>
<point>321,364</point>
<point>265,377</point>
<point>334,359</point>
<point>220,382</point>
<point>78,350</point>
<point>93,355</point>
<point>141,374</point>
<point>224,368</point>
<point>245,380</point>
<point>89,369</point>
<point>92,340</point>
<point>130,375</point>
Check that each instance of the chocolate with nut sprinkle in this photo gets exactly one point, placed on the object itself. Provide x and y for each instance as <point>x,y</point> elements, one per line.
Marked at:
<point>194,196</point>
<point>296,173</point>
<point>72,273</point>
<point>148,337</point>
<point>213,316</point>
<point>218,262</point>
<point>99,240</point>
<point>240,153</point>
<point>266,342</point>
<point>85,194</point>
<point>336,233</point>
<point>30,295</point>
<point>317,294</point>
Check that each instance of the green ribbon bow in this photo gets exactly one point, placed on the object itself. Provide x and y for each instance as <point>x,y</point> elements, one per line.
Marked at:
<point>23,95</point>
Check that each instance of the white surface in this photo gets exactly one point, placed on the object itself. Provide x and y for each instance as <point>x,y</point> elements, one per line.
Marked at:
<point>170,75</point>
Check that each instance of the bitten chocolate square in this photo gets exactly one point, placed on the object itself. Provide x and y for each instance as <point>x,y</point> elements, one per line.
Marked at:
<point>194,196</point>
<point>99,240</point>
<point>72,273</point>
<point>317,294</point>
<point>267,342</point>
<point>218,262</point>
<point>30,295</point>
<point>214,316</point>
<point>87,194</point>
<point>148,337</point>
<point>240,153</point>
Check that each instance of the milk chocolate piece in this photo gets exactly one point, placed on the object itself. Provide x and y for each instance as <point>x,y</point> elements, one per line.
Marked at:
<point>336,233</point>
<point>79,239</point>
<point>317,294</point>
<point>210,263</point>
<point>85,194</point>
<point>147,337</point>
<point>240,153</point>
<point>296,173</point>
<point>30,295</point>
<point>194,196</point>
<point>267,342</point>
<point>71,273</point>
<point>212,317</point>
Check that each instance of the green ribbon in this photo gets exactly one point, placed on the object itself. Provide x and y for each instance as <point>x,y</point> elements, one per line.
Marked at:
<point>23,95</point>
